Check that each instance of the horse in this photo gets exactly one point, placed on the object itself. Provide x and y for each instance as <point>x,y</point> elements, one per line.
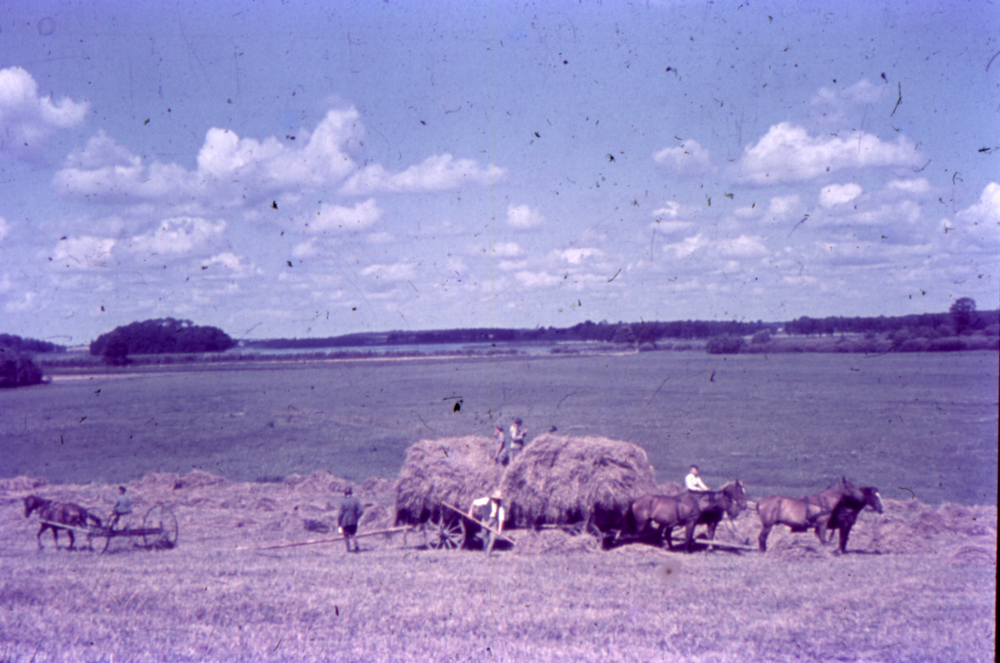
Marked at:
<point>666,513</point>
<point>729,500</point>
<point>802,514</point>
<point>847,512</point>
<point>65,513</point>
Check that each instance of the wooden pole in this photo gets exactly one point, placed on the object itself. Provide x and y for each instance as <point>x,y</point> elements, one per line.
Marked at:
<point>391,530</point>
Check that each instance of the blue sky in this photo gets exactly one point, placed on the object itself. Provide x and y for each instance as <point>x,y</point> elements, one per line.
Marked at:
<point>313,169</point>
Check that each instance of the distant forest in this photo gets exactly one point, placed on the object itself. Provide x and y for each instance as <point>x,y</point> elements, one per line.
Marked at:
<point>961,320</point>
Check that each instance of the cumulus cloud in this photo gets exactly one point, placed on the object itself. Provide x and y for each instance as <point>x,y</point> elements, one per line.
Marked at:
<point>229,167</point>
<point>787,153</point>
<point>833,107</point>
<point>85,252</point>
<point>228,260</point>
<point>688,158</point>
<point>403,271</point>
<point>917,187</point>
<point>838,194</point>
<point>536,279</point>
<point>523,216</point>
<point>784,207</point>
<point>177,235</point>
<point>743,246</point>
<point>506,249</point>
<point>336,217</point>
<point>437,173</point>
<point>25,117</point>
<point>980,222</point>
<point>576,256</point>
<point>686,246</point>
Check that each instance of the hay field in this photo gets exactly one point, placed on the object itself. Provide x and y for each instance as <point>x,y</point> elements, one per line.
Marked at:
<point>918,584</point>
<point>911,424</point>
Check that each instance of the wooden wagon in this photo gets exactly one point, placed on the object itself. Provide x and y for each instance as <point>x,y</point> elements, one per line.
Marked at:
<point>454,529</point>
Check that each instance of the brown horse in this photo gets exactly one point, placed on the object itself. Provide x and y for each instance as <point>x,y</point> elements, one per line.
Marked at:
<point>65,513</point>
<point>804,513</point>
<point>846,513</point>
<point>665,513</point>
<point>729,500</point>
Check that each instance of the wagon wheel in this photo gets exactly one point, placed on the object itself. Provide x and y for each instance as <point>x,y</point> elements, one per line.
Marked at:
<point>446,533</point>
<point>159,528</point>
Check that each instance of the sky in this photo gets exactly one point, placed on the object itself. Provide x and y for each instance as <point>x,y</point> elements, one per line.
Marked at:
<point>311,169</point>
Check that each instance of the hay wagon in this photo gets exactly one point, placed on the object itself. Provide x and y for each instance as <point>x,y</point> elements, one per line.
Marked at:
<point>158,532</point>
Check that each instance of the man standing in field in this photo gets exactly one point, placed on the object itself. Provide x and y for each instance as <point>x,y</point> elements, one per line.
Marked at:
<point>348,518</point>
<point>500,456</point>
<point>693,482</point>
<point>517,435</point>
<point>490,510</point>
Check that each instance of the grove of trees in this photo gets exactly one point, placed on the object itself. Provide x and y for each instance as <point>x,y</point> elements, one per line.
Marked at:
<point>159,336</point>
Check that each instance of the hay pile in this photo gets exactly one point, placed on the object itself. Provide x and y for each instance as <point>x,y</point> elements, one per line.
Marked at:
<point>564,480</point>
<point>455,470</point>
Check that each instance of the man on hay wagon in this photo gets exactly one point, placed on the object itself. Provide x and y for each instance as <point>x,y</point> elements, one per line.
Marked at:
<point>490,510</point>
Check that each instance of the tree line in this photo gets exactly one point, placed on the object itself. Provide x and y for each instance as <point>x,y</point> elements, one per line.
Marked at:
<point>159,336</point>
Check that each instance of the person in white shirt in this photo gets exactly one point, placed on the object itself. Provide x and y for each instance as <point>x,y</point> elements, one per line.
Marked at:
<point>494,518</point>
<point>693,482</point>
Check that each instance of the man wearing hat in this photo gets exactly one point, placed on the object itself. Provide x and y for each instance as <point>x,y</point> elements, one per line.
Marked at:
<point>493,518</point>
<point>347,520</point>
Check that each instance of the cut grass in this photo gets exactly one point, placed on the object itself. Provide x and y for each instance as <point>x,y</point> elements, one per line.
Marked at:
<point>554,598</point>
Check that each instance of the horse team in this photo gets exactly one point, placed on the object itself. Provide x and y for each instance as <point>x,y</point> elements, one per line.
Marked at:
<point>835,508</point>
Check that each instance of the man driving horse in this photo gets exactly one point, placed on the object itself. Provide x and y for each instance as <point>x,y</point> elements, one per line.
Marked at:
<point>123,507</point>
<point>693,482</point>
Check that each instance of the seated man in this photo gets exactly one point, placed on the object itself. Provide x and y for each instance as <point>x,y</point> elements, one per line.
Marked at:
<point>123,507</point>
<point>693,482</point>
<point>490,511</point>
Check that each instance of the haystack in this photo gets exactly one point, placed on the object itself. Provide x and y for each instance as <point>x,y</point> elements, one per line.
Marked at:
<point>564,480</point>
<point>455,470</point>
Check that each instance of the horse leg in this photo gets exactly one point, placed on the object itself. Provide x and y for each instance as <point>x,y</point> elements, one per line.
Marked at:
<point>844,533</point>
<point>72,540</point>
<point>689,537</point>
<point>667,534</point>
<point>711,534</point>
<point>40,531</point>
<point>762,539</point>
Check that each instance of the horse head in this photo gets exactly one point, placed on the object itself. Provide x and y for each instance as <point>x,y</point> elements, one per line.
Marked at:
<point>873,498</point>
<point>32,502</point>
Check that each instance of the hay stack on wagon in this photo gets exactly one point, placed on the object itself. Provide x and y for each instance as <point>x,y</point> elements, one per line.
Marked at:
<point>560,480</point>
<point>455,470</point>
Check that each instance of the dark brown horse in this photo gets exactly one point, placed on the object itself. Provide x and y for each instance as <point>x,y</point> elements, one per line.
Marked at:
<point>664,513</point>
<point>846,513</point>
<point>713,506</point>
<point>804,513</point>
<point>65,513</point>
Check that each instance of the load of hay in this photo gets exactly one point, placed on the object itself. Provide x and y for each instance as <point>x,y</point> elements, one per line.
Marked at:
<point>455,470</point>
<point>561,480</point>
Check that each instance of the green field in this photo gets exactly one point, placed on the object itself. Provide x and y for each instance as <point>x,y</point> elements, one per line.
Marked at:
<point>921,425</point>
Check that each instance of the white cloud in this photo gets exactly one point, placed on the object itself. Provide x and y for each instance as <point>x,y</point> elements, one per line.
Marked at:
<point>83,252</point>
<point>25,117</point>
<point>743,246</point>
<point>784,207</point>
<point>788,153</point>
<point>523,216</point>
<point>4,228</point>
<point>177,235</point>
<point>229,167</point>
<point>381,238</point>
<point>688,158</point>
<point>403,271</point>
<point>576,256</point>
<point>304,250</point>
<point>506,249</point>
<point>686,246</point>
<point>838,194</point>
<point>916,187</point>
<point>437,173</point>
<point>336,217</point>
<point>227,260</point>
<point>537,279</point>
<point>25,304</point>
<point>979,223</point>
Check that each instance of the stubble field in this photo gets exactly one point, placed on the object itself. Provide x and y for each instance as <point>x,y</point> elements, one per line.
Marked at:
<point>918,584</point>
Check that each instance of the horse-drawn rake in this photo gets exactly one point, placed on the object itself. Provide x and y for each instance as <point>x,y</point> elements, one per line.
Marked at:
<point>158,532</point>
